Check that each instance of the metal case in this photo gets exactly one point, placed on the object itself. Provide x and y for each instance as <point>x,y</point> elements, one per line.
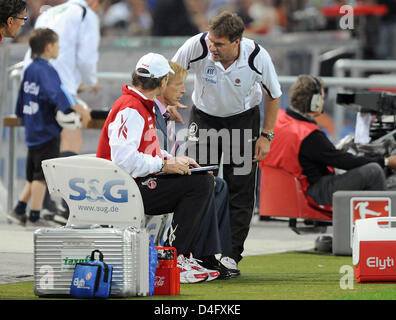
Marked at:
<point>57,250</point>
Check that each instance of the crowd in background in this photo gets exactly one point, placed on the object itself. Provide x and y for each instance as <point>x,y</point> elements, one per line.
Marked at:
<point>188,17</point>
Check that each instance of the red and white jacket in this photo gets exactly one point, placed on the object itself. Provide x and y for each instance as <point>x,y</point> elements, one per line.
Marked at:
<point>128,137</point>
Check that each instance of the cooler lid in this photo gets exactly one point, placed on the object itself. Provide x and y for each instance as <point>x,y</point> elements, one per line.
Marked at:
<point>372,229</point>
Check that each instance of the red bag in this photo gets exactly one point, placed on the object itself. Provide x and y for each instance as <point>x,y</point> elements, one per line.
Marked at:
<point>167,276</point>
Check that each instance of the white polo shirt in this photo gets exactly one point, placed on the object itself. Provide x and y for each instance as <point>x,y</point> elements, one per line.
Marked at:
<point>77,26</point>
<point>224,93</point>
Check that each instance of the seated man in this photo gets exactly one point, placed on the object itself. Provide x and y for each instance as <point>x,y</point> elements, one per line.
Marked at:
<point>215,238</point>
<point>302,149</point>
<point>128,139</point>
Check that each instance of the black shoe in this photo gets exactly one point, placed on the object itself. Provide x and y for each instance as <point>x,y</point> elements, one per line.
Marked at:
<point>62,213</point>
<point>225,273</point>
<point>16,218</point>
<point>230,264</point>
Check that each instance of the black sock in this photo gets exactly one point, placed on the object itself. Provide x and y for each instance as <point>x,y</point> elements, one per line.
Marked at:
<point>20,208</point>
<point>209,260</point>
<point>34,215</point>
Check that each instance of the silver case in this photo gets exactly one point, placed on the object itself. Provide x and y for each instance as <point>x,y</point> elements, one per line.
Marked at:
<point>56,250</point>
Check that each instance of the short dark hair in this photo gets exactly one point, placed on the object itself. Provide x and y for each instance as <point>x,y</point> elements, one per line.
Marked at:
<point>146,83</point>
<point>10,8</point>
<point>39,39</point>
<point>228,25</point>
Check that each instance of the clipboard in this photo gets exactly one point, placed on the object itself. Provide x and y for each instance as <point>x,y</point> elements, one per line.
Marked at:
<point>199,169</point>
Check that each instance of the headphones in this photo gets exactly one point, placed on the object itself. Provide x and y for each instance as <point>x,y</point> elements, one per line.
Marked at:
<point>316,99</point>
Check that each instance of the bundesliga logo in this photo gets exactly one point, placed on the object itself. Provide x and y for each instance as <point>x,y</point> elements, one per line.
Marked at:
<point>363,208</point>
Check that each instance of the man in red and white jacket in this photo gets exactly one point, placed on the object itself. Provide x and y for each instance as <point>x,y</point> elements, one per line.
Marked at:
<point>129,139</point>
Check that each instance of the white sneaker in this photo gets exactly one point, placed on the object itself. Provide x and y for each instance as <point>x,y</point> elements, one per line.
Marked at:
<point>212,274</point>
<point>229,263</point>
<point>187,273</point>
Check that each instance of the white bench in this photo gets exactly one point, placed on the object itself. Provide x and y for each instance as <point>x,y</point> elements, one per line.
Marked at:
<point>97,191</point>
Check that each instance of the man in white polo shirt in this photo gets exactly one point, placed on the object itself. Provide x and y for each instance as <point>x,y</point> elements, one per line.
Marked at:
<point>231,72</point>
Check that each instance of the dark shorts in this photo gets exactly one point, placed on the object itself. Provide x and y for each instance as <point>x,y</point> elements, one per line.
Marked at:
<point>36,155</point>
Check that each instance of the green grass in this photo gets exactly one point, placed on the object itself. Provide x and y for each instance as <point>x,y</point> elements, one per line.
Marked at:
<point>286,276</point>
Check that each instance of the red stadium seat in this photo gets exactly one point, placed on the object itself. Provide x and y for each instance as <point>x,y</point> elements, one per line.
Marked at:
<point>281,195</point>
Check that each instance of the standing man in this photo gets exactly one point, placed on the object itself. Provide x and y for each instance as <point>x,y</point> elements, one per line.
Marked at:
<point>215,238</point>
<point>230,73</point>
<point>12,17</point>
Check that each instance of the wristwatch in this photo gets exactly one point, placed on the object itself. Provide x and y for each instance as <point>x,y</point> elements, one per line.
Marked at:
<point>268,135</point>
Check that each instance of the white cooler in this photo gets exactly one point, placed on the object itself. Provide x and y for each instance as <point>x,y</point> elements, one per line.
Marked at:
<point>374,249</point>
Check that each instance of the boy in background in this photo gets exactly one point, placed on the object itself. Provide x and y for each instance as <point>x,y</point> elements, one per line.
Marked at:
<point>41,93</point>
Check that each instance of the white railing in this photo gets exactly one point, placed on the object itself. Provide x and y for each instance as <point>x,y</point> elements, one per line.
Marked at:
<point>340,80</point>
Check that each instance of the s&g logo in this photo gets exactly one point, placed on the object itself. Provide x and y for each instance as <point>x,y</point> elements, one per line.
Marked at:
<point>89,191</point>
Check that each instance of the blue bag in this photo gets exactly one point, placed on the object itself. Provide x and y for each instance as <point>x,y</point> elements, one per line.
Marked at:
<point>153,258</point>
<point>92,279</point>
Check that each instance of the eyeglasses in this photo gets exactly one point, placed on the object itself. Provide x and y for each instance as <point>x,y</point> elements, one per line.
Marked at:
<point>24,18</point>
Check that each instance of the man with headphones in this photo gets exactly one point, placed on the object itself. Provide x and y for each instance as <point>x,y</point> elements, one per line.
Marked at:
<point>303,150</point>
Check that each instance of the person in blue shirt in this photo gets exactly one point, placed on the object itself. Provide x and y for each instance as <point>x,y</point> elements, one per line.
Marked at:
<point>40,95</point>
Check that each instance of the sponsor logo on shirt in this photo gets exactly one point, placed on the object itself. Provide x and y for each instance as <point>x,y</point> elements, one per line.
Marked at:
<point>151,183</point>
<point>31,88</point>
<point>210,75</point>
<point>123,129</point>
<point>30,109</point>
<point>192,132</point>
<point>237,82</point>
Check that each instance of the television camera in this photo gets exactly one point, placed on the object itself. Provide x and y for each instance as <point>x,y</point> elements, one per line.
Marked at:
<point>381,106</point>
